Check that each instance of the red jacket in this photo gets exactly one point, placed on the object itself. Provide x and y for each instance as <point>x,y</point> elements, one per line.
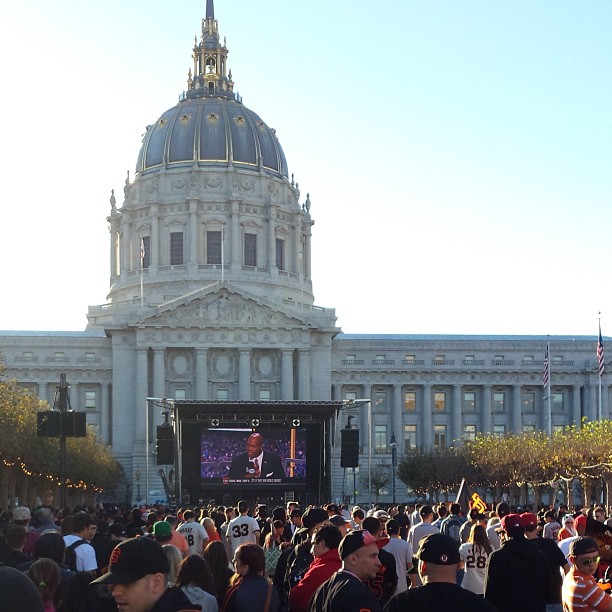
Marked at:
<point>320,570</point>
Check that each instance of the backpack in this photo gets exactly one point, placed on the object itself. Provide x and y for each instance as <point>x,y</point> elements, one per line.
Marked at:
<point>71,558</point>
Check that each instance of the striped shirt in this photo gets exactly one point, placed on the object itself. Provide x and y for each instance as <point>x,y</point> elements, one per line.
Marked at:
<point>582,594</point>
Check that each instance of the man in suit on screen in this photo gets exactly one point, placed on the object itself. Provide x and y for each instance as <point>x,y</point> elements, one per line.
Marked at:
<point>256,463</point>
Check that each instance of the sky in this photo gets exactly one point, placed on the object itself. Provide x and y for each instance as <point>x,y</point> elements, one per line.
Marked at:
<point>457,154</point>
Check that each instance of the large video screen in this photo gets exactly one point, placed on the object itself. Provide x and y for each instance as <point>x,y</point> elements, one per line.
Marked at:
<point>274,455</point>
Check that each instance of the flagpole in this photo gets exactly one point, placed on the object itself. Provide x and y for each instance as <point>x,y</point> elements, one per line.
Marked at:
<point>600,367</point>
<point>548,391</point>
<point>141,273</point>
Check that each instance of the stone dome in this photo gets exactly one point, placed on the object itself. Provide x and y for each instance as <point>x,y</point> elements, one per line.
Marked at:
<point>211,130</point>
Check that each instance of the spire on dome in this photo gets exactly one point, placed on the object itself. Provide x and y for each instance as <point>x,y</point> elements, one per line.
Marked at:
<point>209,75</point>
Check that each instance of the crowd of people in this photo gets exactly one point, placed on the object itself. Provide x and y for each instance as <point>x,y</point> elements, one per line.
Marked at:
<point>289,559</point>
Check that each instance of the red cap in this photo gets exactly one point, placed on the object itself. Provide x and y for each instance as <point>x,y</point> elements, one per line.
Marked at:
<point>511,521</point>
<point>529,519</point>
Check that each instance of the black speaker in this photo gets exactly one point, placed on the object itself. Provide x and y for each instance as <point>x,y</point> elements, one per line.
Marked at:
<point>74,424</point>
<point>48,424</point>
<point>349,449</point>
<point>165,445</point>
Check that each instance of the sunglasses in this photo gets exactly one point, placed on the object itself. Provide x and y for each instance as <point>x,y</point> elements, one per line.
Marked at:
<point>594,560</point>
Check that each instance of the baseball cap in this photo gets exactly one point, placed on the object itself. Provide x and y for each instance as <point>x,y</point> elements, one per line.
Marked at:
<point>353,541</point>
<point>21,513</point>
<point>502,509</point>
<point>18,591</point>
<point>511,521</point>
<point>338,520</point>
<point>162,530</point>
<point>583,545</point>
<point>529,519</point>
<point>439,549</point>
<point>381,514</point>
<point>118,530</point>
<point>134,559</point>
<point>314,516</point>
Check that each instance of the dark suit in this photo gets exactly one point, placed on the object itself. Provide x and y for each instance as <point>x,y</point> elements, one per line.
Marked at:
<point>271,466</point>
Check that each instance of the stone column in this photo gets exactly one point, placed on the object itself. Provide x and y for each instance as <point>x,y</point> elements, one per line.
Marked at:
<point>141,395</point>
<point>303,374</point>
<point>486,409</point>
<point>363,434</point>
<point>114,237</point>
<point>271,238</point>
<point>604,401</point>
<point>201,385</point>
<point>457,433</point>
<point>236,242</point>
<point>287,375</point>
<point>155,246</point>
<point>592,405</point>
<point>105,424</point>
<point>396,415</point>
<point>75,400</point>
<point>427,418</point>
<point>244,375</point>
<point>192,261</point>
<point>576,411</point>
<point>517,424</point>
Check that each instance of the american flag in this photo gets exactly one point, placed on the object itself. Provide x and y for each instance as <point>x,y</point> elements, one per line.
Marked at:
<point>546,373</point>
<point>142,251</point>
<point>600,354</point>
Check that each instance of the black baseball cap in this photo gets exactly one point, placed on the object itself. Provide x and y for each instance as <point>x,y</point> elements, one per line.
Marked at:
<point>134,559</point>
<point>583,545</point>
<point>439,549</point>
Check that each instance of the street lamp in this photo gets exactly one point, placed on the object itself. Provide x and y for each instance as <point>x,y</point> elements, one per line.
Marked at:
<point>356,403</point>
<point>393,446</point>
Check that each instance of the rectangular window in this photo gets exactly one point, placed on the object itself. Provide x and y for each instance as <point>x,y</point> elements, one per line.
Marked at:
<point>280,254</point>
<point>469,432</point>
<point>213,248</point>
<point>176,249</point>
<point>557,359</point>
<point>439,358</point>
<point>410,437</point>
<point>440,401</point>
<point>28,356</point>
<point>145,251</point>
<point>410,401</point>
<point>557,402</point>
<point>499,430</point>
<point>469,401</point>
<point>222,394</point>
<point>350,395</point>
<point>410,358</point>
<point>380,437</point>
<point>250,250</point>
<point>469,359</point>
<point>439,436</point>
<point>528,359</point>
<point>528,428</point>
<point>264,395</point>
<point>499,401</point>
<point>380,401</point>
<point>529,402</point>
<point>180,394</point>
<point>91,399</point>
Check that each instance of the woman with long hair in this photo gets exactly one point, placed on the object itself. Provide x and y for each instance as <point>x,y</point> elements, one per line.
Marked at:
<point>474,554</point>
<point>174,556</point>
<point>250,590</point>
<point>218,563</point>
<point>45,574</point>
<point>196,581</point>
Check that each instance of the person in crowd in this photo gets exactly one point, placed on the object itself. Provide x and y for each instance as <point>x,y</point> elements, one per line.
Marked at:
<point>193,532</point>
<point>425,527</point>
<point>402,552</point>
<point>568,529</point>
<point>275,538</point>
<point>357,516</point>
<point>341,523</point>
<point>439,558</point>
<point>404,520</point>
<point>475,517</point>
<point>196,581</point>
<point>474,556</point>
<point>451,525</point>
<point>580,590</point>
<point>599,514</point>
<point>295,523</point>
<point>216,556</point>
<point>45,574</point>
<point>136,525</point>
<point>14,539</point>
<point>551,526</point>
<point>384,584</point>
<point>517,577</point>
<point>211,529</point>
<point>18,592</point>
<point>249,589</point>
<point>173,554</point>
<point>345,591</point>
<point>557,563</point>
<point>138,579</point>
<point>325,542</point>
<point>244,529</point>
<point>441,513</point>
<point>256,463</point>
<point>80,554</point>
<point>501,510</point>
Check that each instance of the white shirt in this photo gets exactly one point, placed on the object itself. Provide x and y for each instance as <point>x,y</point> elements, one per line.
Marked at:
<point>402,551</point>
<point>475,559</point>
<point>241,530</point>
<point>85,554</point>
<point>195,535</point>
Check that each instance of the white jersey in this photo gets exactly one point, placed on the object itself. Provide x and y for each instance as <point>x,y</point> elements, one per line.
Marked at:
<point>195,535</point>
<point>241,530</point>
<point>475,559</point>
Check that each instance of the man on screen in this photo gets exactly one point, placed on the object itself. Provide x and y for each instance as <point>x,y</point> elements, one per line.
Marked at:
<point>256,463</point>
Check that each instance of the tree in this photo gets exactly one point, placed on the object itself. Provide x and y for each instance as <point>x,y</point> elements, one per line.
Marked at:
<point>379,475</point>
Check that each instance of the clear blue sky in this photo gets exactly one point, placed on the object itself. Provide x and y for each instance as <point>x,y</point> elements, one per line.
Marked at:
<point>457,154</point>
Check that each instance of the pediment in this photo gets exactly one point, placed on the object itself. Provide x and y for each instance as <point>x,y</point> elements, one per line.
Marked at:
<point>223,308</point>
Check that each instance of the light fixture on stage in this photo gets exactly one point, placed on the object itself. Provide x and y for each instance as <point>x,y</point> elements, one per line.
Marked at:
<point>215,423</point>
<point>255,423</point>
<point>295,422</point>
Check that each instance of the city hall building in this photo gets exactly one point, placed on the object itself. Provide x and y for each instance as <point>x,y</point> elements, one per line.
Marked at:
<point>211,298</point>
